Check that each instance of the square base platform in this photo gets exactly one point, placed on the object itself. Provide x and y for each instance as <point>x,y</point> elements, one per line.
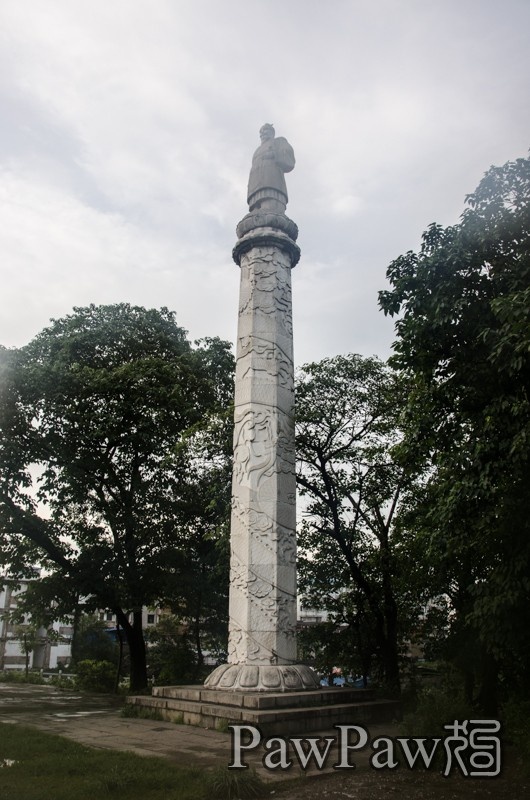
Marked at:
<point>282,714</point>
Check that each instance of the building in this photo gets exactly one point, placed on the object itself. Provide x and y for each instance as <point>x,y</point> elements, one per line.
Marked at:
<point>50,648</point>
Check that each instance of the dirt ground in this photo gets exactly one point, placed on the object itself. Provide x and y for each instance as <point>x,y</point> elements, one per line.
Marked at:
<point>366,783</point>
<point>369,784</point>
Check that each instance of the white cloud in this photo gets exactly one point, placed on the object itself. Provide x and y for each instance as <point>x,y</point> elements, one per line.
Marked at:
<point>346,205</point>
<point>94,256</point>
<point>129,129</point>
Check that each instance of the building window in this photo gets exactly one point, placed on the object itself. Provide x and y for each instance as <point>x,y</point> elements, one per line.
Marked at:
<point>150,619</point>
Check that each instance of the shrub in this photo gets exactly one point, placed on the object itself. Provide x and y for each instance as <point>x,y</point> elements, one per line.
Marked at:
<point>94,641</point>
<point>95,676</point>
<point>140,712</point>
<point>61,682</point>
<point>225,784</point>
<point>516,719</point>
<point>19,676</point>
<point>436,707</point>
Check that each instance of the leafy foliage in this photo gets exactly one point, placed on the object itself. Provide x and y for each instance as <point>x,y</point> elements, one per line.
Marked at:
<point>95,676</point>
<point>463,339</point>
<point>171,657</point>
<point>353,484</point>
<point>92,641</point>
<point>229,784</point>
<point>106,419</point>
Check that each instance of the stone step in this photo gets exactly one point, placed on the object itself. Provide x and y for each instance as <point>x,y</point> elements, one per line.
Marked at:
<point>279,720</point>
<point>266,700</point>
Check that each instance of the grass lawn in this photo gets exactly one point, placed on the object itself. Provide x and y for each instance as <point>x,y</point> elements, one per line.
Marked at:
<point>48,766</point>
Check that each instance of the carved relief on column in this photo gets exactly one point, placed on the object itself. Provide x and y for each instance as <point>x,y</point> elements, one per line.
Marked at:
<point>262,628</point>
<point>261,359</point>
<point>271,538</point>
<point>262,447</point>
<point>266,286</point>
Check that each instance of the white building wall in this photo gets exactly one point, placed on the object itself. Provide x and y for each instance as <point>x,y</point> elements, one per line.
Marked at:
<point>53,648</point>
<point>53,651</point>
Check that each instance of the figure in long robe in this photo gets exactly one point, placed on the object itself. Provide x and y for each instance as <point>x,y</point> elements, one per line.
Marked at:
<point>274,157</point>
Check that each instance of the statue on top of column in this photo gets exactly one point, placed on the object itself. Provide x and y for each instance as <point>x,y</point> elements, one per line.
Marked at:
<point>267,190</point>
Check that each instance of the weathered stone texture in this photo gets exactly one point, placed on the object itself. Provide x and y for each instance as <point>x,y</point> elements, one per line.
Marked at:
<point>263,543</point>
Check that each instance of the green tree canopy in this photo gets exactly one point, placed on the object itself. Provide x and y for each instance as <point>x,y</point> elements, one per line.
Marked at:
<point>463,338</point>
<point>106,419</point>
<point>353,486</point>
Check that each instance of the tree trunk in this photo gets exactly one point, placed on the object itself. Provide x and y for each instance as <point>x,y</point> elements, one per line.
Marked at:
<point>487,697</point>
<point>26,653</point>
<point>386,638</point>
<point>469,685</point>
<point>120,658</point>
<point>385,617</point>
<point>136,643</point>
<point>75,634</point>
<point>392,655</point>
<point>364,649</point>
<point>390,613</point>
<point>198,648</point>
<point>390,659</point>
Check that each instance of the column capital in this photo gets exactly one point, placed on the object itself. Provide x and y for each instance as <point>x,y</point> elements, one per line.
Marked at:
<point>266,229</point>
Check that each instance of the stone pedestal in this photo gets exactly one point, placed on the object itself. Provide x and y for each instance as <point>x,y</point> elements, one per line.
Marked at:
<point>262,627</point>
<point>274,713</point>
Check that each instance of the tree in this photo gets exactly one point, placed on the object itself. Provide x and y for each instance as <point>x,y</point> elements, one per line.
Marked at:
<point>348,422</point>
<point>203,556</point>
<point>99,419</point>
<point>463,339</point>
<point>171,654</point>
<point>28,637</point>
<point>93,641</point>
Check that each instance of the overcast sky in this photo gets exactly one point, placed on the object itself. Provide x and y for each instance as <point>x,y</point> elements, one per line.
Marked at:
<point>128,128</point>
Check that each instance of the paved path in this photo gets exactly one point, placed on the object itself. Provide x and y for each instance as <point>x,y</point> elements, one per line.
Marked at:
<point>95,720</point>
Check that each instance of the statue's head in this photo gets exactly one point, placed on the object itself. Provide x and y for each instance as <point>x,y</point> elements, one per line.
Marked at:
<point>266,132</point>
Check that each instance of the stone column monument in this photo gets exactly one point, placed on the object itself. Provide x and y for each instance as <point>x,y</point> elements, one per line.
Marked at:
<point>262,630</point>
<point>262,684</point>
